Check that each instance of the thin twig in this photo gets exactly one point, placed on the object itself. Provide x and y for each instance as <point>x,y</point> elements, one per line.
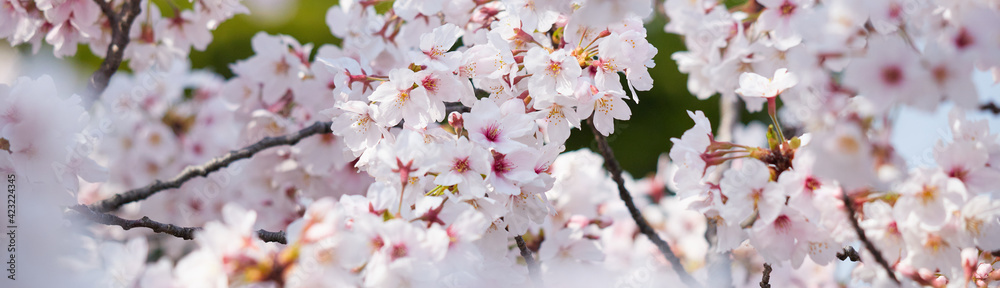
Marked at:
<point>215,164</point>
<point>186,233</point>
<point>765,281</point>
<point>456,107</point>
<point>864,239</point>
<point>121,24</point>
<point>533,270</point>
<point>990,107</point>
<point>611,164</point>
<point>849,253</point>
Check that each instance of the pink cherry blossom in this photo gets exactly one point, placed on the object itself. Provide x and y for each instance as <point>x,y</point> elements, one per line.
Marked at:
<point>498,127</point>
<point>553,73</point>
<point>401,98</point>
<point>753,85</point>
<point>606,106</point>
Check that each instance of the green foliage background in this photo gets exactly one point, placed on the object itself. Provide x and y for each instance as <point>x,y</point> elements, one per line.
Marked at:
<point>638,142</point>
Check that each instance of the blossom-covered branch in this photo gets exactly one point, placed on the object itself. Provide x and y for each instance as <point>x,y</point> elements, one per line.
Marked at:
<point>120,23</point>
<point>186,233</point>
<point>852,215</point>
<point>215,164</point>
<point>611,164</point>
<point>533,269</point>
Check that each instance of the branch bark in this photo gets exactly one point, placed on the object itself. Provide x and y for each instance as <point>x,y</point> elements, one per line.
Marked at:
<point>186,233</point>
<point>121,24</point>
<point>990,107</point>
<point>611,164</point>
<point>849,253</point>
<point>533,270</point>
<point>851,213</point>
<point>215,164</point>
<point>765,280</point>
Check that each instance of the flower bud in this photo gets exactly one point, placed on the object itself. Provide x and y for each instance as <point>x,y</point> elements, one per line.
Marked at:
<point>456,122</point>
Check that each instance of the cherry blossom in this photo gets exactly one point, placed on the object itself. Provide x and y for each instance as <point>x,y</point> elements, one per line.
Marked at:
<point>606,106</point>
<point>753,85</point>
<point>554,73</point>
<point>464,169</point>
<point>498,127</point>
<point>388,194</point>
<point>890,72</point>
<point>274,66</point>
<point>401,98</point>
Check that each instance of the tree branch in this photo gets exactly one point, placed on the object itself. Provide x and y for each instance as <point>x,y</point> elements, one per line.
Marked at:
<point>186,233</point>
<point>849,253</point>
<point>990,107</point>
<point>213,165</point>
<point>765,280</point>
<point>864,239</point>
<point>611,164</point>
<point>533,269</point>
<point>121,25</point>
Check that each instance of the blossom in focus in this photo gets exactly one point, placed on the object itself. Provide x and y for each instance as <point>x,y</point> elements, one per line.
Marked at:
<point>754,85</point>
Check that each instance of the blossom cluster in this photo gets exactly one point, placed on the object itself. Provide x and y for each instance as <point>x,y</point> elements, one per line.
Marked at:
<point>449,119</point>
<point>155,38</point>
<point>840,70</point>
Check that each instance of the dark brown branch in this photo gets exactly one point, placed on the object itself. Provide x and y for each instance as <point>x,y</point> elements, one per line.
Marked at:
<point>533,269</point>
<point>121,24</point>
<point>186,233</point>
<point>849,253</point>
<point>456,107</point>
<point>849,204</point>
<point>611,164</point>
<point>765,281</point>
<point>990,107</point>
<point>215,164</point>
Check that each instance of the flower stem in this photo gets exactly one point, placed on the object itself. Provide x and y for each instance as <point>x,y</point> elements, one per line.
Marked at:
<point>772,111</point>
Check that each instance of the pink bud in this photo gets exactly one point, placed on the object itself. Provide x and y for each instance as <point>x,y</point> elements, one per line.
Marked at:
<point>925,273</point>
<point>577,221</point>
<point>603,222</point>
<point>940,281</point>
<point>456,122</point>
<point>983,270</point>
<point>604,33</point>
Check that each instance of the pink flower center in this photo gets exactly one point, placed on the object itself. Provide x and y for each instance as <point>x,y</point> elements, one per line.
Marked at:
<point>812,184</point>
<point>281,68</point>
<point>782,224</point>
<point>492,132</point>
<point>895,10</point>
<point>940,74</point>
<point>430,84</point>
<point>377,243</point>
<point>787,8</point>
<point>554,68</point>
<point>964,39</point>
<point>928,194</point>
<point>892,75</point>
<point>501,165</point>
<point>958,172</point>
<point>461,165</point>
<point>398,251</point>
